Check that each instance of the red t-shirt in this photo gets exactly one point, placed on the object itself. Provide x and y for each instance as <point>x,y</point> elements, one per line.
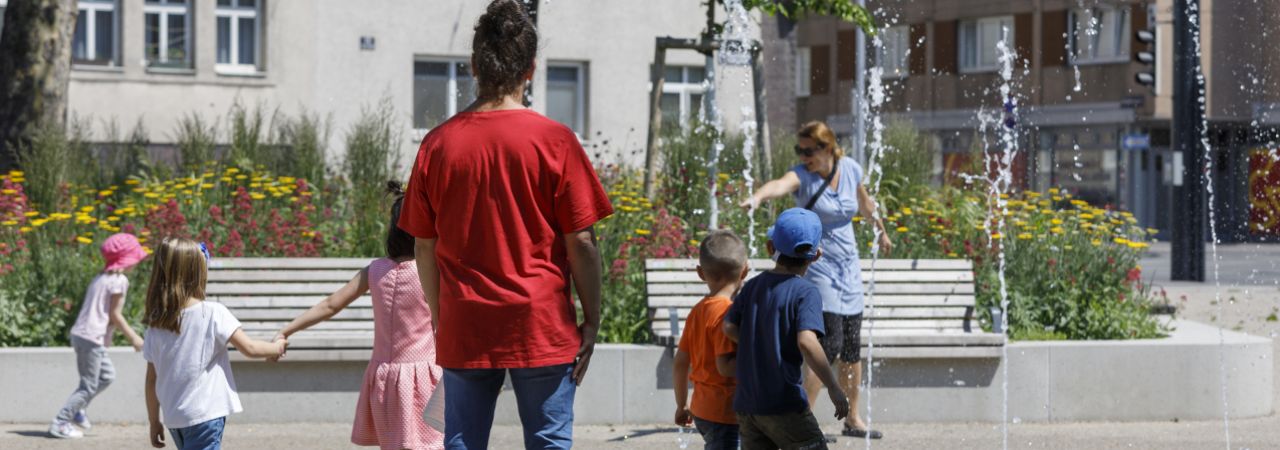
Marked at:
<point>498,190</point>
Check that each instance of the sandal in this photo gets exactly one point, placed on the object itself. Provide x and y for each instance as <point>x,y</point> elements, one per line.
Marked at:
<point>854,432</point>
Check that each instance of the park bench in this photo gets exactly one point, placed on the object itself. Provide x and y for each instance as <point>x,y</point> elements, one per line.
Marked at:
<point>266,293</point>
<point>922,308</point>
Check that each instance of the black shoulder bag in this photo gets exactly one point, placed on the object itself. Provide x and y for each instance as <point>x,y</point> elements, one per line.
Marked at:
<point>835,168</point>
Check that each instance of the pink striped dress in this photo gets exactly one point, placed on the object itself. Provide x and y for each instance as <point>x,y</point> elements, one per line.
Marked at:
<point>402,372</point>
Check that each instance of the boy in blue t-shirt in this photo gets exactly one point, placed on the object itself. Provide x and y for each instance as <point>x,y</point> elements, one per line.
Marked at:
<point>776,319</point>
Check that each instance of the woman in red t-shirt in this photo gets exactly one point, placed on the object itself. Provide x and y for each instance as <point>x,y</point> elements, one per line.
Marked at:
<point>502,201</point>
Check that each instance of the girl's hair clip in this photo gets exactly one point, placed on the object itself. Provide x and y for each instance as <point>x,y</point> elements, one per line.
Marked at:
<point>205,249</point>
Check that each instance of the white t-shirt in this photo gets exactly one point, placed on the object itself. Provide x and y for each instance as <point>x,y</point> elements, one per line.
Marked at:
<point>193,370</point>
<point>94,322</point>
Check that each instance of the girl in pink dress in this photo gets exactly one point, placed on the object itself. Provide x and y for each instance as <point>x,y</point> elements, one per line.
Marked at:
<point>402,373</point>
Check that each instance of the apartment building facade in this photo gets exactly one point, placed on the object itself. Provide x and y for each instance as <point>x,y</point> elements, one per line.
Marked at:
<point>155,61</point>
<point>1083,123</point>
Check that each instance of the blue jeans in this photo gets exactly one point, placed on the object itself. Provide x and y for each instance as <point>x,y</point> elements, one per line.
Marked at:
<point>717,436</point>
<point>201,436</point>
<point>544,398</point>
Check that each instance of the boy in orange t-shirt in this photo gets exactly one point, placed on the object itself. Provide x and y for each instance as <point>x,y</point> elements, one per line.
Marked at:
<point>706,355</point>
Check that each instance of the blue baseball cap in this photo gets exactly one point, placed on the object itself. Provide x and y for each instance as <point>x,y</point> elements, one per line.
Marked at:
<point>796,227</point>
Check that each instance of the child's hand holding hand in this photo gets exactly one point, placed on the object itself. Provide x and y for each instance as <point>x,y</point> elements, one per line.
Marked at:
<point>157,434</point>
<point>282,345</point>
<point>279,339</point>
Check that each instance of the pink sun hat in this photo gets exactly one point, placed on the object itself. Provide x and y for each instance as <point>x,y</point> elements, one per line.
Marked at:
<point>122,251</point>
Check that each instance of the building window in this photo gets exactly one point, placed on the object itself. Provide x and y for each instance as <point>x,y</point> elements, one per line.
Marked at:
<point>95,36</point>
<point>803,64</point>
<point>892,53</point>
<point>567,95</point>
<point>440,90</point>
<point>1099,34</point>
<point>682,90</point>
<point>978,40</point>
<point>168,33</point>
<point>239,36</point>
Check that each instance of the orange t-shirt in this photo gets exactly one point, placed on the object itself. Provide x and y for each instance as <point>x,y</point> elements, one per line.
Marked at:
<point>703,340</point>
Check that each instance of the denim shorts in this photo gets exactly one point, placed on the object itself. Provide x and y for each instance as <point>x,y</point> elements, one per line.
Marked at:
<point>201,436</point>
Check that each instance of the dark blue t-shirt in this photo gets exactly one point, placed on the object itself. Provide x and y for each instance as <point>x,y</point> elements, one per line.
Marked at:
<point>770,311</point>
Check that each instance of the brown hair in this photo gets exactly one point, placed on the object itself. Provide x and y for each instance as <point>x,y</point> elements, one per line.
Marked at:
<point>722,256</point>
<point>399,243</point>
<point>178,274</point>
<point>820,132</point>
<point>503,48</point>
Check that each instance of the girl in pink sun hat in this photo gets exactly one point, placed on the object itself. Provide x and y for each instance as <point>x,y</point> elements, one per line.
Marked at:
<point>101,312</point>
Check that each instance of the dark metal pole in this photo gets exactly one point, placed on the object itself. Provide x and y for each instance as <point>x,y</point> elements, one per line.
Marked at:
<point>1189,209</point>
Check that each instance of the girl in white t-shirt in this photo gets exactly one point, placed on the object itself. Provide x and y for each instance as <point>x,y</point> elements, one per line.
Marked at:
<point>188,369</point>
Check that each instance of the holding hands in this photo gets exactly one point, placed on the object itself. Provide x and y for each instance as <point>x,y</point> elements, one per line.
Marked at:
<point>283,346</point>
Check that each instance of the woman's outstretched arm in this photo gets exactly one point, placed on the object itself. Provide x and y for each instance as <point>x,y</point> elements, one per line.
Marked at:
<point>784,185</point>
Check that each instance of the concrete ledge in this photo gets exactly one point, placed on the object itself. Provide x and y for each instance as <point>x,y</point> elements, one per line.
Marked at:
<point>1138,380</point>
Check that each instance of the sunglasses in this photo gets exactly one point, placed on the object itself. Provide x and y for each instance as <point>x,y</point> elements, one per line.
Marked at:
<point>808,152</point>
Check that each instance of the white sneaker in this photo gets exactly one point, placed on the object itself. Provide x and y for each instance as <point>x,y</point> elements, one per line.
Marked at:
<point>64,430</point>
<point>82,420</point>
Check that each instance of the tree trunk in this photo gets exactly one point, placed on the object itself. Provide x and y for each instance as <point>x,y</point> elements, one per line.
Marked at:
<point>35,68</point>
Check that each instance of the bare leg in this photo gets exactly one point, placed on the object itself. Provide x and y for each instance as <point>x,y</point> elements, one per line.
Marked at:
<point>850,379</point>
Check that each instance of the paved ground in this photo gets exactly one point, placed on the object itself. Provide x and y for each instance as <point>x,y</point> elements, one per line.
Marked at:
<point>1248,301</point>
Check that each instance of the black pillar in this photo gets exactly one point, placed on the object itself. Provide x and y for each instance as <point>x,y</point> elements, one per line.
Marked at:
<point>1189,208</point>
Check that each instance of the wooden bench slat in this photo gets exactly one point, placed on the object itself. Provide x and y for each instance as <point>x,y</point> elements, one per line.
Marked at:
<point>895,288</point>
<point>288,263</point>
<point>235,303</point>
<point>881,300</point>
<point>766,264</point>
<point>255,314</point>
<point>881,277</point>
<point>316,288</point>
<point>291,276</point>
<point>911,338</point>
<point>330,325</point>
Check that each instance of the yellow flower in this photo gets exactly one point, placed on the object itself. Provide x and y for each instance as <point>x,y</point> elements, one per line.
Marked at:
<point>642,232</point>
<point>131,182</point>
<point>1024,236</point>
<point>693,242</point>
<point>84,240</point>
<point>206,186</point>
<point>9,223</point>
<point>857,219</point>
<point>39,222</point>
<point>288,180</point>
<point>906,211</point>
<point>723,176</point>
<point>1056,221</point>
<point>241,177</point>
<point>1056,230</point>
<point>106,193</point>
<point>1137,245</point>
<point>1053,190</point>
<point>1120,240</point>
<point>255,185</point>
<point>1095,242</point>
<point>257,196</point>
<point>225,179</point>
<point>9,191</point>
<point>1086,216</point>
<point>903,229</point>
<point>16,173</point>
<point>151,195</point>
<point>1152,231</point>
<point>996,236</point>
<point>31,213</point>
<point>24,229</point>
<point>232,170</point>
<point>952,255</point>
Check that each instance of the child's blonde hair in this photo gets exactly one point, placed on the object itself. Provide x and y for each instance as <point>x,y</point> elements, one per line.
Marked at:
<point>179,273</point>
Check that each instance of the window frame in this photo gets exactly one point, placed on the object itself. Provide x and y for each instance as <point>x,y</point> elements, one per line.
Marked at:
<point>902,35</point>
<point>451,85</point>
<point>580,108</point>
<point>164,9</point>
<point>1075,34</point>
<point>685,90</point>
<point>234,13</point>
<point>804,64</point>
<point>964,47</point>
<point>92,7</point>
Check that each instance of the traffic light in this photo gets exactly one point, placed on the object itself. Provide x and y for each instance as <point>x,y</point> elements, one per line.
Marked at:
<point>1147,57</point>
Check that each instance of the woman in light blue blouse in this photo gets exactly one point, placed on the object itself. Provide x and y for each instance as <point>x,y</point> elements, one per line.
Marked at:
<point>831,185</point>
